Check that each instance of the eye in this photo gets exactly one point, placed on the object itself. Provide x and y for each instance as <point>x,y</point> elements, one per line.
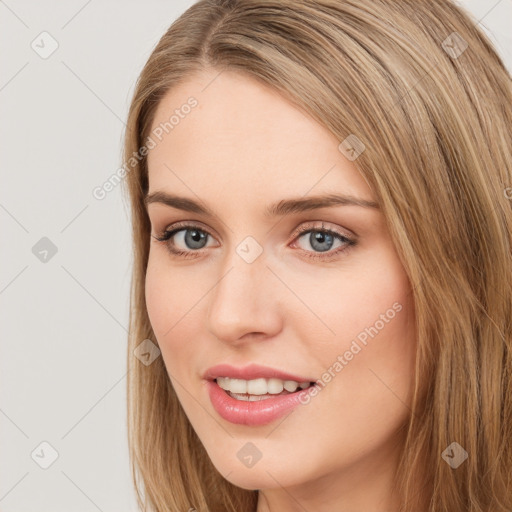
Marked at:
<point>322,240</point>
<point>185,239</point>
<point>188,241</point>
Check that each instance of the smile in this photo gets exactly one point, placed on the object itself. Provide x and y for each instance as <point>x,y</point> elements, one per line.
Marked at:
<point>259,389</point>
<point>255,409</point>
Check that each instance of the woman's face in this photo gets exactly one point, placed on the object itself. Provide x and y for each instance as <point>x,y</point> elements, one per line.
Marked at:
<point>249,288</point>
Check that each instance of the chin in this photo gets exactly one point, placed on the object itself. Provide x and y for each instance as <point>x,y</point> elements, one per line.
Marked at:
<point>247,479</point>
<point>262,475</point>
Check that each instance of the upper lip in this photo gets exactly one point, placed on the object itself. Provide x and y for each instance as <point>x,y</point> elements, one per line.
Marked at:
<point>250,372</point>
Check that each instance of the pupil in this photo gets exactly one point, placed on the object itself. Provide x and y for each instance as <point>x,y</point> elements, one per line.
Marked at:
<point>319,238</point>
<point>194,236</point>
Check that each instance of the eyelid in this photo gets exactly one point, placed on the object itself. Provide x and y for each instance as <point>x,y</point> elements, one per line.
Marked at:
<point>312,226</point>
<point>184,224</point>
<point>302,228</point>
<point>350,239</point>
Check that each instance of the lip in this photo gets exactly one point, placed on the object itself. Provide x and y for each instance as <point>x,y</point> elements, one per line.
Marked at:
<point>250,372</point>
<point>259,412</point>
<point>256,413</point>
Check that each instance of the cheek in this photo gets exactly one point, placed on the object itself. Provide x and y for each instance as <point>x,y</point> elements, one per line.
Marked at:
<point>170,297</point>
<point>372,345</point>
<point>170,294</point>
<point>159,297</point>
<point>366,299</point>
<point>374,304</point>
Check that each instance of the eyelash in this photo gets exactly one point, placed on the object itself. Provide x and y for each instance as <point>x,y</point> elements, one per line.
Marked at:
<point>167,234</point>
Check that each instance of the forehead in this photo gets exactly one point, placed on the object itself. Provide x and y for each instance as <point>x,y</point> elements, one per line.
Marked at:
<point>228,132</point>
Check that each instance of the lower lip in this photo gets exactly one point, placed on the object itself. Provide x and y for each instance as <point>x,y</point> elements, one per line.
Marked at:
<point>260,412</point>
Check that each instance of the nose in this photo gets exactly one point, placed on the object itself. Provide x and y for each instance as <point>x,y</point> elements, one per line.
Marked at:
<point>244,303</point>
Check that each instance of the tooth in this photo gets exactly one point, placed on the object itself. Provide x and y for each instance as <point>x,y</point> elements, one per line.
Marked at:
<point>257,387</point>
<point>223,382</point>
<point>290,385</point>
<point>255,398</point>
<point>275,386</point>
<point>249,398</point>
<point>238,385</point>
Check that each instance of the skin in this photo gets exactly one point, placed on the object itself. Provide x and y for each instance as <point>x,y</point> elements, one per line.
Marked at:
<point>241,148</point>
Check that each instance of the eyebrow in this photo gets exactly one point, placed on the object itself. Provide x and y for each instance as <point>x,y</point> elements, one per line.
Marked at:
<point>283,207</point>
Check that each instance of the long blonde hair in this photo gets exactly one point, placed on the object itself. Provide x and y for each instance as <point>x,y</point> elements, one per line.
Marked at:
<point>421,86</point>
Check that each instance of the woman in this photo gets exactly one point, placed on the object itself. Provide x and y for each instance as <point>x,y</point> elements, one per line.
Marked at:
<point>321,207</point>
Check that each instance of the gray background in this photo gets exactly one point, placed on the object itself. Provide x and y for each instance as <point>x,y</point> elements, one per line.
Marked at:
<point>65,315</point>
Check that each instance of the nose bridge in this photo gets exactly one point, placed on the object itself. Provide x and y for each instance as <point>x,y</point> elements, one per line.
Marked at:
<point>242,300</point>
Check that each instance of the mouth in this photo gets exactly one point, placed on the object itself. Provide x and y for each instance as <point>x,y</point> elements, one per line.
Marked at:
<point>258,401</point>
<point>259,389</point>
<point>255,395</point>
